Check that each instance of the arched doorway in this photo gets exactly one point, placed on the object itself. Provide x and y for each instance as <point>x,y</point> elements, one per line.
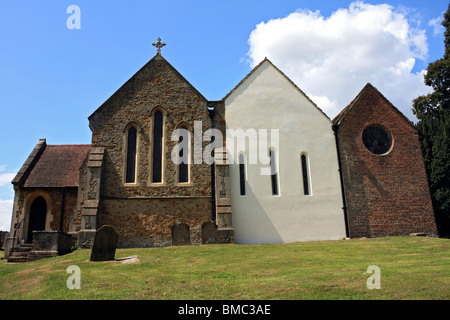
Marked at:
<point>38,213</point>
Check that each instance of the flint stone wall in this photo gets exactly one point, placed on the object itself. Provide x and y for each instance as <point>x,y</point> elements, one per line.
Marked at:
<point>143,213</point>
<point>149,222</point>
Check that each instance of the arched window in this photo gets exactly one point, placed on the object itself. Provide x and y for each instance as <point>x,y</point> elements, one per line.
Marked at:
<point>273,172</point>
<point>130,172</point>
<point>306,185</point>
<point>242,174</point>
<point>183,167</point>
<point>157,147</point>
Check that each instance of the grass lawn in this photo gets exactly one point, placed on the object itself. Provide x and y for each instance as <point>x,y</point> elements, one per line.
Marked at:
<point>411,268</point>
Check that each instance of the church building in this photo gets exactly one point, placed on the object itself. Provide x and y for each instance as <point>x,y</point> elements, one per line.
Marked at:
<point>282,172</point>
<point>384,177</point>
<point>300,200</point>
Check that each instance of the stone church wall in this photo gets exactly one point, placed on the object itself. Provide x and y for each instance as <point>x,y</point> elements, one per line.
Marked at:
<point>157,85</point>
<point>53,198</point>
<point>149,222</point>
<point>76,220</point>
<point>143,212</point>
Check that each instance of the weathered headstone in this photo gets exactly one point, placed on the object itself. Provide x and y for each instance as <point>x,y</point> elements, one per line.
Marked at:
<point>105,243</point>
<point>4,236</point>
<point>209,233</point>
<point>180,234</point>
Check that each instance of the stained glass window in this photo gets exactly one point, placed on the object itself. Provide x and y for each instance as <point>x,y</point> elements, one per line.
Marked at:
<point>131,156</point>
<point>157,146</point>
<point>377,139</point>
<point>274,175</point>
<point>183,169</point>
<point>305,175</point>
<point>242,174</point>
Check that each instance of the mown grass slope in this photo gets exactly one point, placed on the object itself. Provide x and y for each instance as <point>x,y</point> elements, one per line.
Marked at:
<point>411,268</point>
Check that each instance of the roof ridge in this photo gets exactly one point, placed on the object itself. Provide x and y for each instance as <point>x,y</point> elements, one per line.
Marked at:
<point>245,78</point>
<point>30,162</point>
<point>156,57</point>
<point>341,116</point>
<point>298,88</point>
<point>395,108</point>
<point>284,75</point>
<point>57,166</point>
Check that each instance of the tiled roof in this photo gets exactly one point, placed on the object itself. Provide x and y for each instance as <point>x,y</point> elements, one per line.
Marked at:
<point>58,166</point>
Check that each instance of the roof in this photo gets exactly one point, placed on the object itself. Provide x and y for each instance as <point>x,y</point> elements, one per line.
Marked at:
<point>135,77</point>
<point>57,166</point>
<point>341,116</point>
<point>282,73</point>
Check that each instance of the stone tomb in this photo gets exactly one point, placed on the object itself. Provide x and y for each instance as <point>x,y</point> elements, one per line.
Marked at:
<point>105,244</point>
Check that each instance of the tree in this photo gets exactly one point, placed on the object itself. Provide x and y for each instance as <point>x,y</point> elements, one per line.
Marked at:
<point>433,112</point>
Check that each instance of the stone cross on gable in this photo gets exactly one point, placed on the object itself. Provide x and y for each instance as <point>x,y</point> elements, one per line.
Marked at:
<point>159,45</point>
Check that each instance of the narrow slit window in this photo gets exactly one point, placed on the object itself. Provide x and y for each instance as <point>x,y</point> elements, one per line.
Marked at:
<point>183,167</point>
<point>273,171</point>
<point>242,174</point>
<point>131,156</point>
<point>157,146</point>
<point>306,191</point>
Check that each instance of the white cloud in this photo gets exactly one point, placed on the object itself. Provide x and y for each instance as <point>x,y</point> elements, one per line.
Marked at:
<point>332,58</point>
<point>6,178</point>
<point>5,205</point>
<point>5,214</point>
<point>437,26</point>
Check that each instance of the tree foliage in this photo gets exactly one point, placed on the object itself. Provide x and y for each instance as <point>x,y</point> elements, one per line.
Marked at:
<point>433,112</point>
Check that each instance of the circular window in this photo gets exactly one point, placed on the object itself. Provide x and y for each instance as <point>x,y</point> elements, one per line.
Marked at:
<point>376,139</point>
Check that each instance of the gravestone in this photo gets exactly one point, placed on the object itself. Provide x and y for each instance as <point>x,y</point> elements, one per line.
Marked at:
<point>4,236</point>
<point>209,233</point>
<point>181,234</point>
<point>105,243</point>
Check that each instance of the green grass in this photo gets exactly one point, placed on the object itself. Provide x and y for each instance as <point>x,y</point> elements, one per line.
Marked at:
<point>411,268</point>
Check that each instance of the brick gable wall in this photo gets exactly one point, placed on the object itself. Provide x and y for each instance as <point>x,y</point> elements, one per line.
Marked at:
<point>386,194</point>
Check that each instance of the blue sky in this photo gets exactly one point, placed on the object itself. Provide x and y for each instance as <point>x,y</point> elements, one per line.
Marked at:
<point>53,78</point>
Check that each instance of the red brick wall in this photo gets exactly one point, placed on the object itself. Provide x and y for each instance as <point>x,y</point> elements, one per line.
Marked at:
<point>386,194</point>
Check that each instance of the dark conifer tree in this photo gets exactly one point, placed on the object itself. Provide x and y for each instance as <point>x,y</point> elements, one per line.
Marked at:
<point>433,112</point>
